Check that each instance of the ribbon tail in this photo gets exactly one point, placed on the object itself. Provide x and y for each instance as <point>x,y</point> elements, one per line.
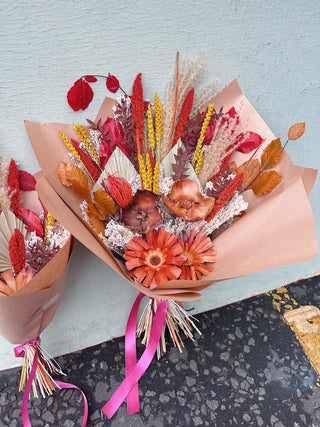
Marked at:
<point>67,385</point>
<point>139,369</point>
<point>133,404</point>
<point>25,413</point>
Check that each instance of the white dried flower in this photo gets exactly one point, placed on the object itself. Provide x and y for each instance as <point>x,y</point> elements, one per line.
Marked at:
<point>118,236</point>
<point>84,207</point>
<point>234,207</point>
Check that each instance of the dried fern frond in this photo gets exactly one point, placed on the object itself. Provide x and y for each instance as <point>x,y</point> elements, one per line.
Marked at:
<point>224,137</point>
<point>191,73</point>
<point>203,98</point>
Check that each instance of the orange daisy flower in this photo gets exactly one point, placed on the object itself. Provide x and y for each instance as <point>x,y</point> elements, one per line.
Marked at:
<point>155,259</point>
<point>197,250</point>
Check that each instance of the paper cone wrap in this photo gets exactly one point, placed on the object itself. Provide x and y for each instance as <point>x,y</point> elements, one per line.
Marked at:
<point>278,229</point>
<point>25,314</point>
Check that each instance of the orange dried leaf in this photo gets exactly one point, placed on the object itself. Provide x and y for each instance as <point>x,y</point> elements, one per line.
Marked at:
<point>71,175</point>
<point>97,224</point>
<point>296,131</point>
<point>61,172</point>
<point>271,154</point>
<point>104,203</point>
<point>266,182</point>
<point>250,169</point>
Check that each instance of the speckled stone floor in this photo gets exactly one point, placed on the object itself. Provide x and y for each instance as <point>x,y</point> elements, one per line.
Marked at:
<point>246,369</point>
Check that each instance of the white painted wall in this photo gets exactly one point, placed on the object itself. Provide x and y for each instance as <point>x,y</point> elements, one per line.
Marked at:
<point>272,48</point>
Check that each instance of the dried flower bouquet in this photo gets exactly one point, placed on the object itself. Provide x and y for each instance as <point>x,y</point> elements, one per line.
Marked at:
<point>179,195</point>
<point>34,255</point>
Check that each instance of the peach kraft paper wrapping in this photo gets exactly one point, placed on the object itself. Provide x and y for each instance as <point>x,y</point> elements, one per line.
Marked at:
<point>278,229</point>
<point>26,313</point>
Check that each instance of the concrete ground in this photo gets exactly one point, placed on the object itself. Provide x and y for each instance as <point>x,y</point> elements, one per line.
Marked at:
<point>247,368</point>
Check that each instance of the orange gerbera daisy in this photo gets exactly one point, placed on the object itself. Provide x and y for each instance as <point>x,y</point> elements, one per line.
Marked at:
<point>155,259</point>
<point>197,250</point>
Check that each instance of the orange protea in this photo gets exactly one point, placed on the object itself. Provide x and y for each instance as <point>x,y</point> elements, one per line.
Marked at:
<point>155,259</point>
<point>197,250</point>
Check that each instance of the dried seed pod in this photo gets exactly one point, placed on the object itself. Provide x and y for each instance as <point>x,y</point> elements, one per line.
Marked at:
<point>142,214</point>
<point>186,201</point>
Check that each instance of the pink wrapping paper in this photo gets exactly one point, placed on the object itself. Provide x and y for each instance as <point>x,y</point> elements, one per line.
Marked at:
<point>25,314</point>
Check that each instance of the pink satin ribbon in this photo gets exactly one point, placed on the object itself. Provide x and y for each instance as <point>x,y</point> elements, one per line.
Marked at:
<point>19,352</point>
<point>134,371</point>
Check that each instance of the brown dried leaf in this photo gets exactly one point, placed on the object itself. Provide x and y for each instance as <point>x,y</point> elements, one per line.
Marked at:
<point>250,169</point>
<point>104,203</point>
<point>97,224</point>
<point>61,172</point>
<point>271,154</point>
<point>71,175</point>
<point>296,131</point>
<point>266,182</point>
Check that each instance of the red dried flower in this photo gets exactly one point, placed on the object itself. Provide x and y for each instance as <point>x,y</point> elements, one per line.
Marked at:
<point>89,164</point>
<point>155,259</point>
<point>120,190</point>
<point>80,95</point>
<point>13,184</point>
<point>17,251</point>
<point>138,112</point>
<point>112,83</point>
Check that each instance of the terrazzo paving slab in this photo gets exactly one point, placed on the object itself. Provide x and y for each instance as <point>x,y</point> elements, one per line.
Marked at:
<point>246,369</point>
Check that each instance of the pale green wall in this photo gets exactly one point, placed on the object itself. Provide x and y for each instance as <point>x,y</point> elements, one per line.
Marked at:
<point>271,47</point>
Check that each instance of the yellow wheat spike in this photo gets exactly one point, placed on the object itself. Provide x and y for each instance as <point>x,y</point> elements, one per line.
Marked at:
<point>85,139</point>
<point>202,134</point>
<point>142,170</point>
<point>149,171</point>
<point>71,148</point>
<point>199,163</point>
<point>156,177</point>
<point>73,151</point>
<point>49,223</point>
<point>158,114</point>
<point>150,129</point>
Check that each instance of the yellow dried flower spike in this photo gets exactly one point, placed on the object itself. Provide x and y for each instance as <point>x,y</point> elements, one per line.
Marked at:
<point>149,172</point>
<point>142,170</point>
<point>156,177</point>
<point>202,134</point>
<point>150,129</point>
<point>49,223</point>
<point>70,147</point>
<point>158,117</point>
<point>85,139</point>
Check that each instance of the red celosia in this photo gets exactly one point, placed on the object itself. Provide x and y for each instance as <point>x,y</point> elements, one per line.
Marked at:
<point>184,116</point>
<point>90,165</point>
<point>17,251</point>
<point>13,184</point>
<point>138,112</point>
<point>120,190</point>
<point>225,196</point>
